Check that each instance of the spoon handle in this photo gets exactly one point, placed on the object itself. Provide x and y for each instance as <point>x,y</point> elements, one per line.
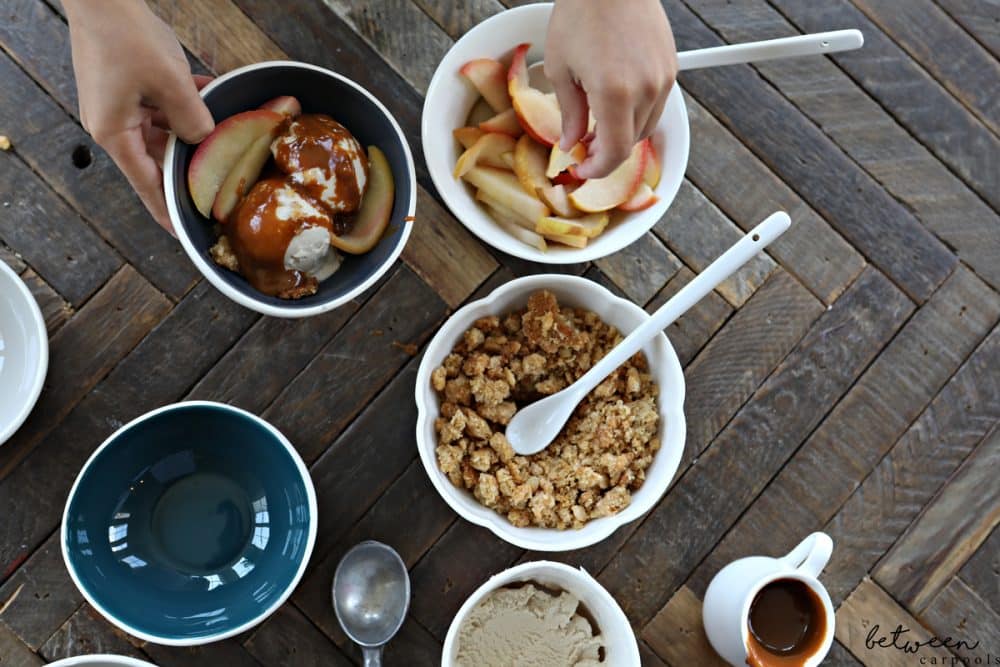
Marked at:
<point>726,265</point>
<point>372,656</point>
<point>785,47</point>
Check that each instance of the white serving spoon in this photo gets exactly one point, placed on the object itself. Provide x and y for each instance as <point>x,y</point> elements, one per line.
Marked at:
<point>535,426</point>
<point>814,44</point>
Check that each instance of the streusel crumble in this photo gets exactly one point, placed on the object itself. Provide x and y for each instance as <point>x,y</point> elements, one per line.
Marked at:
<point>600,456</point>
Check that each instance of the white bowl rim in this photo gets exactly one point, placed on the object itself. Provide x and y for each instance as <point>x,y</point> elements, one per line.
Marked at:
<point>523,572</point>
<point>42,368</point>
<point>496,523</point>
<point>510,245</point>
<point>209,271</point>
<point>205,639</point>
<point>94,658</point>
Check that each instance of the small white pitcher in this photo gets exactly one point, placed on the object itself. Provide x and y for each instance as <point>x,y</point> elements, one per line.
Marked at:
<point>726,612</point>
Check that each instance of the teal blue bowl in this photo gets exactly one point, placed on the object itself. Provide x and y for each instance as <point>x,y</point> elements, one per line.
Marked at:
<point>190,524</point>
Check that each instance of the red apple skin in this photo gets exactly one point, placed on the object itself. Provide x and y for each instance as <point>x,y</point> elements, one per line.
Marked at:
<point>285,105</point>
<point>216,156</point>
<point>538,113</point>
<point>490,79</point>
<point>568,179</point>
<point>616,188</point>
<point>643,198</point>
<point>376,208</point>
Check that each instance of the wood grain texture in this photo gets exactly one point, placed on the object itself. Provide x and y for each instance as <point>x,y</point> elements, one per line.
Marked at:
<point>959,613</point>
<point>456,18</point>
<point>83,351</point>
<point>288,638</point>
<point>747,191</point>
<point>979,18</point>
<point>870,135</point>
<point>910,94</point>
<point>982,572</point>
<point>40,597</point>
<point>54,308</point>
<point>947,532</point>
<point>711,495</point>
<point>862,427</point>
<point>851,200</point>
<point>699,233</point>
<point>12,258</point>
<point>641,269</point>
<point>677,634</point>
<point>227,653</point>
<point>337,384</point>
<point>36,38</point>
<point>697,326</point>
<point>915,468</point>
<point>87,632</point>
<point>51,237</point>
<point>13,653</point>
<point>869,609</point>
<point>945,50</point>
<point>647,658</point>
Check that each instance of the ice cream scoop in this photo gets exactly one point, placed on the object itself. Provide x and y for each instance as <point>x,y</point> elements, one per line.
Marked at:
<point>310,252</point>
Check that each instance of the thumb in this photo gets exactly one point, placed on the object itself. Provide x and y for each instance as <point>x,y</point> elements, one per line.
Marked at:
<point>186,112</point>
<point>575,111</point>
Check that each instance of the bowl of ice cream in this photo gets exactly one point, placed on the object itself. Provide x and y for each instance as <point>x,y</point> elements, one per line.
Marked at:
<point>24,352</point>
<point>516,197</point>
<point>190,524</point>
<point>531,336</point>
<point>301,198</point>
<point>540,612</point>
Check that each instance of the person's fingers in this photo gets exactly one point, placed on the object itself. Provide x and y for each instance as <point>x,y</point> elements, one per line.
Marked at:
<point>654,116</point>
<point>615,134</point>
<point>128,150</point>
<point>156,143</point>
<point>185,111</point>
<point>574,108</point>
<point>158,119</point>
<point>200,80</point>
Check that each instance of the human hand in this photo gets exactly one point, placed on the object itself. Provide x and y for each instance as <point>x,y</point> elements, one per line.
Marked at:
<point>134,86</point>
<point>617,59</point>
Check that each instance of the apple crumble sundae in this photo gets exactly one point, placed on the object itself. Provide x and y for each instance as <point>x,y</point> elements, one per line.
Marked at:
<point>601,455</point>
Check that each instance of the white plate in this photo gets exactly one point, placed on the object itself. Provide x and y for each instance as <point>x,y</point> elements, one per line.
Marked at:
<point>24,352</point>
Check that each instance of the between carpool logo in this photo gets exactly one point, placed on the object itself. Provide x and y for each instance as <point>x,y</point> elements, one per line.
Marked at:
<point>897,641</point>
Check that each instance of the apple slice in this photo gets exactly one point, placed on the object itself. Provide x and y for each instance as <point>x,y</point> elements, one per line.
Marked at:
<point>467,135</point>
<point>537,111</point>
<point>495,206</point>
<point>652,174</point>
<point>504,122</point>
<point>568,239</point>
<point>376,208</point>
<point>479,112</point>
<point>241,178</point>
<point>216,156</point>
<point>588,226</point>
<point>557,198</point>
<point>567,180</point>
<point>560,161</point>
<point>488,150</point>
<point>285,105</point>
<point>529,164</point>
<point>504,187</point>
<point>601,194</point>
<point>490,79</point>
<point>643,198</point>
<point>511,225</point>
<point>508,160</point>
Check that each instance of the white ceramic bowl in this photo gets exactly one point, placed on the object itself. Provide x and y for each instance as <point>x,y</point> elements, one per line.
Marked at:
<point>101,661</point>
<point>620,647</point>
<point>626,316</point>
<point>446,107</point>
<point>24,352</point>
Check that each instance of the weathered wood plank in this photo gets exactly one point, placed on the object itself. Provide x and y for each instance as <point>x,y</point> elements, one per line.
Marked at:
<point>50,236</point>
<point>956,61</point>
<point>677,635</point>
<point>862,427</point>
<point>647,658</point>
<point>54,309</point>
<point>910,94</point>
<point>641,269</point>
<point>979,17</point>
<point>957,612</point>
<point>84,351</point>
<point>47,138</point>
<point>159,370</point>
<point>287,638</point>
<point>456,18</point>
<point>915,468</point>
<point>840,657</point>
<point>413,646</point>
<point>12,259</point>
<point>712,494</point>
<point>40,597</point>
<point>746,190</point>
<point>947,532</point>
<point>227,653</point>
<point>442,252</point>
<point>336,385</point>
<point>699,233</point>
<point>848,115</point>
<point>36,38</point>
<point>853,202</point>
<point>870,612</point>
<point>982,572</point>
<point>87,632</point>
<point>15,654</point>
<point>693,330</point>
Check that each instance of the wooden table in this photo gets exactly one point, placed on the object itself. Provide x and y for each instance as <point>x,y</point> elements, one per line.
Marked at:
<point>847,382</point>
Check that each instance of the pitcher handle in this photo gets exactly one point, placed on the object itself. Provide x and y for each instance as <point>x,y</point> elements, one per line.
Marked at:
<point>811,555</point>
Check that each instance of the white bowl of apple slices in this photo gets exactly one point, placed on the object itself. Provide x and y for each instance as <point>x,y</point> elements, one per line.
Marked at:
<point>490,135</point>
